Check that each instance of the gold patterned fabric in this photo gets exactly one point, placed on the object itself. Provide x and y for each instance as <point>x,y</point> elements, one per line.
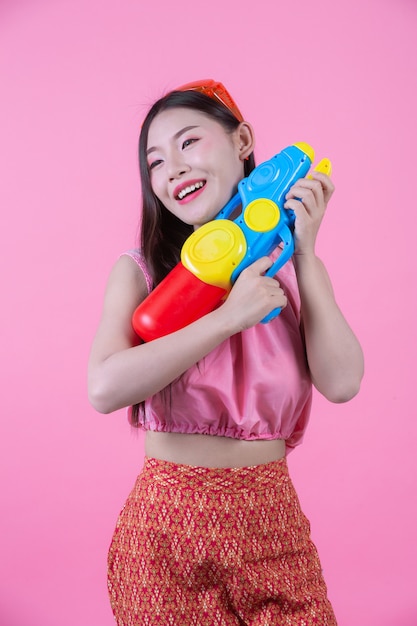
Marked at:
<point>198,546</point>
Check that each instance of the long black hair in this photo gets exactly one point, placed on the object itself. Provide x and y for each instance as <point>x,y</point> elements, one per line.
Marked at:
<point>162,234</point>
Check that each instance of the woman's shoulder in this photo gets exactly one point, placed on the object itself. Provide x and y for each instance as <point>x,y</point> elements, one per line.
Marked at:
<point>136,255</point>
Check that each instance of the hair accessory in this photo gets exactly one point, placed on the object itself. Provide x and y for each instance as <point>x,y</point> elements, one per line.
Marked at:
<point>215,91</point>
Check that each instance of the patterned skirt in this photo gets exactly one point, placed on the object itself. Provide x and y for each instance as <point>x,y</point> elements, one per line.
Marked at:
<point>217,547</point>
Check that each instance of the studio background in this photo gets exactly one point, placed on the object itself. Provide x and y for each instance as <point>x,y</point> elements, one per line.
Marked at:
<point>76,78</point>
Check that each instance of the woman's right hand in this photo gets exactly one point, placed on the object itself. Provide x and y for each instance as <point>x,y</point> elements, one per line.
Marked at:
<point>253,296</point>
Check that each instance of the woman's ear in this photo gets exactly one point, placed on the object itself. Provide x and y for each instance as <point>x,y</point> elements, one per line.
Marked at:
<point>246,140</point>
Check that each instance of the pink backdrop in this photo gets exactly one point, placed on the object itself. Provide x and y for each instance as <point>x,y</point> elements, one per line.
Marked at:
<point>75,79</point>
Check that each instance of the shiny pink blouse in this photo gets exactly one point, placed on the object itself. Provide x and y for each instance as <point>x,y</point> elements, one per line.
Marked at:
<point>255,385</point>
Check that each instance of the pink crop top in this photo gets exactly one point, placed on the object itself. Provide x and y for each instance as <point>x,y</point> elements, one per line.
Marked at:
<point>255,385</point>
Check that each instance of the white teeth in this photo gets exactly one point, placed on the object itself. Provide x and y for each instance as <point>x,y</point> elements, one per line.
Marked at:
<point>190,189</point>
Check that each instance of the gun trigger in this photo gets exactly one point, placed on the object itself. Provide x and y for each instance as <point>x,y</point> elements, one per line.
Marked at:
<point>286,253</point>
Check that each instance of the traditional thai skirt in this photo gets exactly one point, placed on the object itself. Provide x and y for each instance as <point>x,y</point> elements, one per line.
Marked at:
<point>215,547</point>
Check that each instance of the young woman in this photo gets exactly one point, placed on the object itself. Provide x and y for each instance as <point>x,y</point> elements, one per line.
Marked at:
<point>212,532</point>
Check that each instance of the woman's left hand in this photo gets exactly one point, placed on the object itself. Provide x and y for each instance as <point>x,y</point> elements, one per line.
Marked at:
<point>308,198</point>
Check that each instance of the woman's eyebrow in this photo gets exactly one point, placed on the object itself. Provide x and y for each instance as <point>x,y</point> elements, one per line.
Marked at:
<point>175,137</point>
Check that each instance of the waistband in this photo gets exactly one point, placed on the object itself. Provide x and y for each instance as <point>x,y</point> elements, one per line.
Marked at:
<point>167,474</point>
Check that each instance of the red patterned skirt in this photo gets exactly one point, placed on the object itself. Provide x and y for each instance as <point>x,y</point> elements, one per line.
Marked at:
<point>217,547</point>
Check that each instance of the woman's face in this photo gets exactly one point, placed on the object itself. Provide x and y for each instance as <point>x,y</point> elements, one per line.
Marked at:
<point>194,164</point>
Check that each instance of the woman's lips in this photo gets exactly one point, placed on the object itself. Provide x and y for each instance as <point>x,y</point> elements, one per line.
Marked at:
<point>190,189</point>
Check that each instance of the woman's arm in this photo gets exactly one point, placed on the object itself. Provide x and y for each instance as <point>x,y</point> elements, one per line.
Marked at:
<point>122,372</point>
<point>334,354</point>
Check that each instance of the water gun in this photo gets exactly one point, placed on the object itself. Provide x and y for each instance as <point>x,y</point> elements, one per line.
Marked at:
<point>215,254</point>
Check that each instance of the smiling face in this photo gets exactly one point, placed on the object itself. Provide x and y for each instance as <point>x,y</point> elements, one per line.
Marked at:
<point>194,164</point>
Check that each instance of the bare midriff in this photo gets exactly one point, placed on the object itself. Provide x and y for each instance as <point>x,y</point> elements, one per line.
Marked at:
<point>209,451</point>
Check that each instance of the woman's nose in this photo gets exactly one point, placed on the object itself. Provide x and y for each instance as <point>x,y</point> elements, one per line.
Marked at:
<point>177,168</point>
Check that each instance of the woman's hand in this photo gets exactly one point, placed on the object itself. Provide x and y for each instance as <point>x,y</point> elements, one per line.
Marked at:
<point>308,198</point>
<point>253,296</point>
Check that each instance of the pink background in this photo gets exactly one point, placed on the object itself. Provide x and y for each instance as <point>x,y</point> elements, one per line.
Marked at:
<point>76,78</point>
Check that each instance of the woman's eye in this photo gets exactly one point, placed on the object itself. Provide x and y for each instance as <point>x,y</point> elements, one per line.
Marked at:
<point>154,164</point>
<point>188,142</point>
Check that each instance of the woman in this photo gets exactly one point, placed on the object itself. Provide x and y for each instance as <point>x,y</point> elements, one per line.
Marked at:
<point>212,532</point>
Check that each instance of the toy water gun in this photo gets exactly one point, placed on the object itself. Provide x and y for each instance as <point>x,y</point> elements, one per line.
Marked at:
<point>215,254</point>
